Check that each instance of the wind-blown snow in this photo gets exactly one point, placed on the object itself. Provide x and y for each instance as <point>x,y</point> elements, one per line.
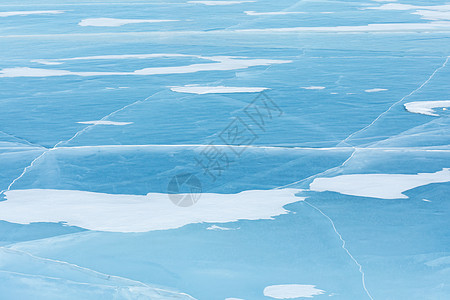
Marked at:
<point>313,87</point>
<point>442,261</point>
<point>386,27</point>
<point>137,213</point>
<point>111,22</point>
<point>433,15</point>
<point>426,107</point>
<point>219,63</point>
<point>30,12</point>
<point>292,291</point>
<point>115,57</point>
<point>375,90</point>
<point>216,89</point>
<point>33,72</point>
<point>384,186</point>
<point>399,6</point>
<point>104,122</point>
<point>427,12</point>
<point>215,227</point>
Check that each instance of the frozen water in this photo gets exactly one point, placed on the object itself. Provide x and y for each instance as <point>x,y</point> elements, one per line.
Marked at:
<point>215,150</point>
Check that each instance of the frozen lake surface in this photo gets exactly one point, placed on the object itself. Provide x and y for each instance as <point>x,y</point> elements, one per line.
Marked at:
<point>225,150</point>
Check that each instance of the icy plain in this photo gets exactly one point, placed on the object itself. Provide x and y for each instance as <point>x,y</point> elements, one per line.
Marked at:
<point>335,186</point>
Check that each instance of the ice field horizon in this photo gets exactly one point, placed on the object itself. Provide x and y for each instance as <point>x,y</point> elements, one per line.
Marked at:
<point>225,150</point>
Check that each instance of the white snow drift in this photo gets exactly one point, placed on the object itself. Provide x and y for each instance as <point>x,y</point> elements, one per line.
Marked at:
<point>30,12</point>
<point>313,87</point>
<point>375,90</point>
<point>427,12</point>
<point>217,63</point>
<point>381,27</point>
<point>384,186</point>
<point>292,291</point>
<point>139,213</point>
<point>105,122</point>
<point>112,22</point>
<point>426,107</point>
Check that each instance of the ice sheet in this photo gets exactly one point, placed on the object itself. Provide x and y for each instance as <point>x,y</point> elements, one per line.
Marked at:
<point>200,90</point>
<point>331,180</point>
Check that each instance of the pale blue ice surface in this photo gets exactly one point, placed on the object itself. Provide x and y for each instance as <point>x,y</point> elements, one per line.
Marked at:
<point>394,249</point>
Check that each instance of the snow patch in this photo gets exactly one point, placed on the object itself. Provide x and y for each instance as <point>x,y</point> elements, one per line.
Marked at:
<point>384,186</point>
<point>292,291</point>
<point>218,63</point>
<point>46,62</point>
<point>113,57</point>
<point>138,213</point>
<point>104,122</point>
<point>313,87</point>
<point>215,227</point>
<point>433,15</point>
<point>386,27</point>
<point>111,22</point>
<point>426,107</point>
<point>427,12</point>
<point>399,6</point>
<point>30,12</point>
<point>374,90</point>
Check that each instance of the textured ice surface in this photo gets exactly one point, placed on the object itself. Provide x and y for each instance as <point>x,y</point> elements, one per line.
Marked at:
<point>346,89</point>
<point>215,89</point>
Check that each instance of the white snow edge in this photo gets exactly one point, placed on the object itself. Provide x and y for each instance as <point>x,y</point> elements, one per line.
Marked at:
<point>426,107</point>
<point>292,291</point>
<point>384,186</point>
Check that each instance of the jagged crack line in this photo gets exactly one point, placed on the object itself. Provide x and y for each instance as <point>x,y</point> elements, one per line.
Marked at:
<point>399,101</point>
<point>321,173</point>
<point>103,119</point>
<point>23,140</point>
<point>97,274</point>
<point>26,169</point>
<point>344,247</point>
